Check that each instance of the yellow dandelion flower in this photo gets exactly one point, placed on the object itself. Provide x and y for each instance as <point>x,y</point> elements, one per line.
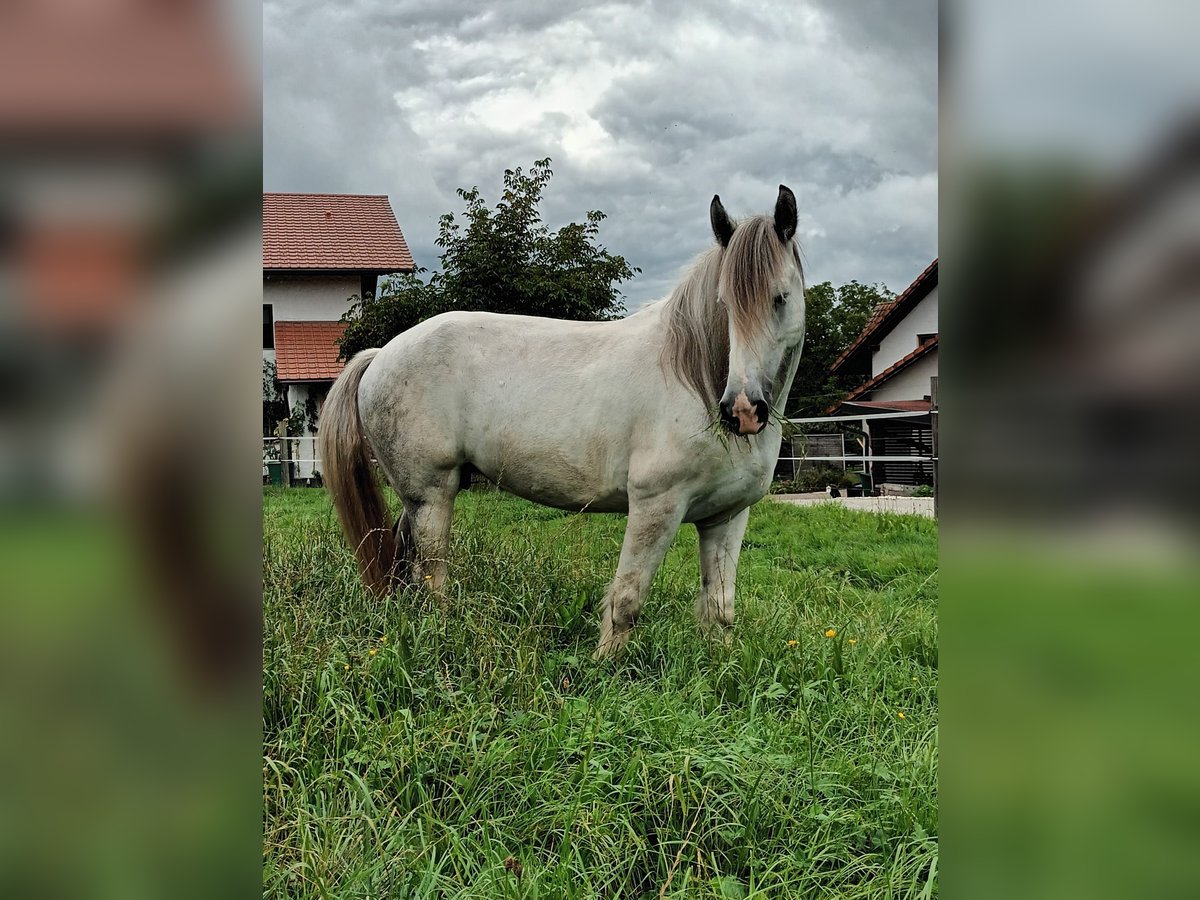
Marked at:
<point>791,643</point>
<point>914,678</point>
<point>372,652</point>
<point>429,578</point>
<point>347,667</point>
<point>853,641</point>
<point>900,714</point>
<point>831,632</point>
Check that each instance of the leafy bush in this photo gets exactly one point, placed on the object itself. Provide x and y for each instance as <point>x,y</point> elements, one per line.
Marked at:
<point>275,407</point>
<point>815,478</point>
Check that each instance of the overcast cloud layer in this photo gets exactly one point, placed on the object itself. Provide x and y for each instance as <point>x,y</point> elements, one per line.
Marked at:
<point>646,112</point>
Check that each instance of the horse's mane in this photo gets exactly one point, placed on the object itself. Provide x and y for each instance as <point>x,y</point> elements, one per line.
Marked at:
<point>696,348</point>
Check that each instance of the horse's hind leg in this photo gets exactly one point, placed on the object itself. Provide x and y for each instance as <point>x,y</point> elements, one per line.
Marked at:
<point>720,547</point>
<point>402,535</point>
<point>428,518</point>
<point>648,534</point>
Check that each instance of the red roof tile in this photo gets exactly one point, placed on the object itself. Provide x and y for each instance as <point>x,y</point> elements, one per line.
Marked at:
<point>886,315</point>
<point>307,351</point>
<point>332,232</point>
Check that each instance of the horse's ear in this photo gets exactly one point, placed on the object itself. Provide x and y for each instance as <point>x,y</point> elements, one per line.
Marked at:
<point>785,214</point>
<point>722,225</point>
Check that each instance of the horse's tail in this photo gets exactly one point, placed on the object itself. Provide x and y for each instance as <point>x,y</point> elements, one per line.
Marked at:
<point>350,477</point>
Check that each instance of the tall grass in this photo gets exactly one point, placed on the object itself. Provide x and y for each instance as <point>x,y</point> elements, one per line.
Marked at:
<point>469,747</point>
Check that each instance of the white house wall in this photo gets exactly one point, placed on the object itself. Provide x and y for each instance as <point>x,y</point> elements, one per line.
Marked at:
<point>902,340</point>
<point>910,384</point>
<point>309,298</point>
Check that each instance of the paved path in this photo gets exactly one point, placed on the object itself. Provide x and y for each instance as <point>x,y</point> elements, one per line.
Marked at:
<point>916,506</point>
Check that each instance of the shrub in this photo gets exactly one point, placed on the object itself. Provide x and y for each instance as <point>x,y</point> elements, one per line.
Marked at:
<point>815,478</point>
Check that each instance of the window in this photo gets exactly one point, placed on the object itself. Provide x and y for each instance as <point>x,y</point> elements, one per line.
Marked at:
<point>923,339</point>
<point>268,327</point>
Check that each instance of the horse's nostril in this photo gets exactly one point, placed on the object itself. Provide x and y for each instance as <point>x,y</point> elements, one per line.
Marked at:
<point>762,411</point>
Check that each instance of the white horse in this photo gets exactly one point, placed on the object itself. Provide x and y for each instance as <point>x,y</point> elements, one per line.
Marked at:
<point>663,415</point>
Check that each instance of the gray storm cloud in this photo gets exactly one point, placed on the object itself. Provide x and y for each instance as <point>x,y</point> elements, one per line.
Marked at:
<point>646,112</point>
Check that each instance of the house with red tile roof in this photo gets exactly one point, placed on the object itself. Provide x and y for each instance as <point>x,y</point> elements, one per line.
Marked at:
<point>893,361</point>
<point>319,251</point>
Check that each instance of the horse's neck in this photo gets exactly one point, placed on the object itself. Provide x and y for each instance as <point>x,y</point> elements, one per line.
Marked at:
<point>791,364</point>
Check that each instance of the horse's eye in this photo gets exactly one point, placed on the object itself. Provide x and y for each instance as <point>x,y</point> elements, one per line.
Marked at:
<point>780,299</point>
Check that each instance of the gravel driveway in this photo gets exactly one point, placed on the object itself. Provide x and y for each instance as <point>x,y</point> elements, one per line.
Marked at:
<point>918,506</point>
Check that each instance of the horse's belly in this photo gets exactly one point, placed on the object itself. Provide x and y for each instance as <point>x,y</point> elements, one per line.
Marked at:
<point>563,497</point>
<point>579,478</point>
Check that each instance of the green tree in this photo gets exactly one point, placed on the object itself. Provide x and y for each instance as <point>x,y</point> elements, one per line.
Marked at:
<point>403,301</point>
<point>834,317</point>
<point>500,258</point>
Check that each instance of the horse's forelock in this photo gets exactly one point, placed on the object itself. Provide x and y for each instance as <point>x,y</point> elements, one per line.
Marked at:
<point>753,264</point>
<point>743,275</point>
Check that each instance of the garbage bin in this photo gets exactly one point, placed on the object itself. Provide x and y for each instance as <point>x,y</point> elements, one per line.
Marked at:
<point>275,472</point>
<point>868,488</point>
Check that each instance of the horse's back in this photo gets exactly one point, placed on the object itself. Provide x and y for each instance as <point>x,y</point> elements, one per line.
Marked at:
<point>544,407</point>
<point>531,357</point>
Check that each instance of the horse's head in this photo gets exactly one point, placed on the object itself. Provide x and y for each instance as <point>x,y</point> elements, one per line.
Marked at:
<point>761,284</point>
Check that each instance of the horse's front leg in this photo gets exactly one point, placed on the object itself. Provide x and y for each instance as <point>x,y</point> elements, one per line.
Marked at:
<point>720,547</point>
<point>650,528</point>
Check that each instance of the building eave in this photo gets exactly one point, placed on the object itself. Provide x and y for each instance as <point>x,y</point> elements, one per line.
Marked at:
<point>891,371</point>
<point>899,308</point>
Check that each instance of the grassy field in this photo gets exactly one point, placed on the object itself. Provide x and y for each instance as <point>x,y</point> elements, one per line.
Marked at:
<point>470,747</point>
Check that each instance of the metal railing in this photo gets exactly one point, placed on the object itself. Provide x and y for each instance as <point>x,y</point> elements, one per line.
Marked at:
<point>821,420</point>
<point>313,461</point>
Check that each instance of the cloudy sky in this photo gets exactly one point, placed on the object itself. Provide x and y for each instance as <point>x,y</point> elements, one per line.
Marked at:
<point>647,110</point>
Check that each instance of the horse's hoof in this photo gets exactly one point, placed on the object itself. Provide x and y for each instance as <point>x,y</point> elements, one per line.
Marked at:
<point>609,647</point>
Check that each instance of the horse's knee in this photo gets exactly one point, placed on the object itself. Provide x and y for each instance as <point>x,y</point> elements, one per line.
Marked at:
<point>622,606</point>
<point>625,602</point>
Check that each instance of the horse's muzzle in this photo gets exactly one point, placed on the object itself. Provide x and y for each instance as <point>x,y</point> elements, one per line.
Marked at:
<point>743,415</point>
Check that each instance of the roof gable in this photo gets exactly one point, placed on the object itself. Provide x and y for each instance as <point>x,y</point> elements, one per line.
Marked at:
<point>888,315</point>
<point>899,365</point>
<point>332,233</point>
